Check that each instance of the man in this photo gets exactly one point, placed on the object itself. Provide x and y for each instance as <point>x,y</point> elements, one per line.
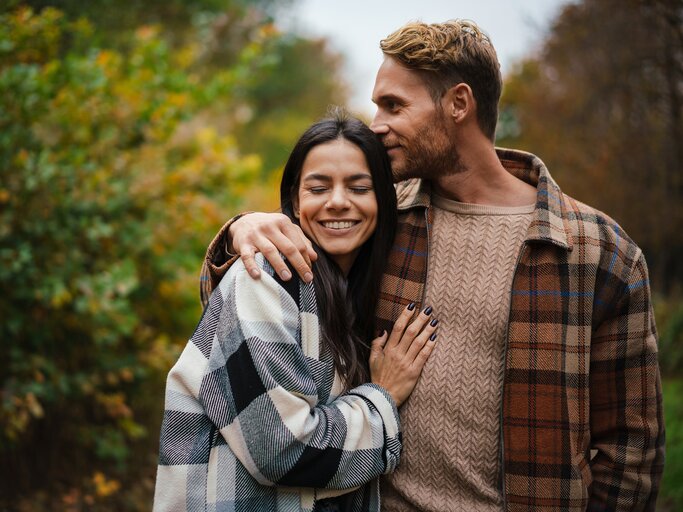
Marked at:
<point>544,391</point>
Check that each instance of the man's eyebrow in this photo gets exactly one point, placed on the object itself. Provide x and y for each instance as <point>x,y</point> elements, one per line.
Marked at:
<point>385,98</point>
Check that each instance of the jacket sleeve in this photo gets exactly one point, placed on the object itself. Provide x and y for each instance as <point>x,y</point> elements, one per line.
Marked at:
<point>259,391</point>
<point>627,427</point>
<point>217,261</point>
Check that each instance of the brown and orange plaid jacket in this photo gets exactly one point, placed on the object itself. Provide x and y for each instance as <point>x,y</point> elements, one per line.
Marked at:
<point>582,425</point>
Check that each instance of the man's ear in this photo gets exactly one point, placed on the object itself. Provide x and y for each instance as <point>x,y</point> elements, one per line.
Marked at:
<point>458,102</point>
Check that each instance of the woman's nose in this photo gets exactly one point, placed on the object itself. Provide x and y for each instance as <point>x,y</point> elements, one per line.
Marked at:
<point>338,199</point>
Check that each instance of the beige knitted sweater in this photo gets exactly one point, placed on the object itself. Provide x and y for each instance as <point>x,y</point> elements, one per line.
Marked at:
<point>451,422</point>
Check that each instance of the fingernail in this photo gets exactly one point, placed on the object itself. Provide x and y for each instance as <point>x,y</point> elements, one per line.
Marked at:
<point>411,306</point>
<point>428,310</point>
<point>254,272</point>
<point>432,337</point>
<point>286,275</point>
<point>434,322</point>
<point>308,277</point>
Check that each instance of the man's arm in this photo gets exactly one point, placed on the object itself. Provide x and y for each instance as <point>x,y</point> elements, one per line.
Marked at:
<point>627,426</point>
<point>272,234</point>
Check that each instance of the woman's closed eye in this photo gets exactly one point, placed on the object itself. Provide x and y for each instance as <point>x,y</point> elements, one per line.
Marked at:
<point>361,190</point>
<point>317,190</point>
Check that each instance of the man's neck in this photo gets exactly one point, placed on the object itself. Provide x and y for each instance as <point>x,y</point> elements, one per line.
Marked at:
<point>484,180</point>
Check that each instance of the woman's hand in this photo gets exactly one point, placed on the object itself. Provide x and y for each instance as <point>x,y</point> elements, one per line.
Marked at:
<point>397,359</point>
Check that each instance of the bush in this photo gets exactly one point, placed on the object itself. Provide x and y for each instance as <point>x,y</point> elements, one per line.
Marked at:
<point>111,183</point>
<point>671,493</point>
<point>669,314</point>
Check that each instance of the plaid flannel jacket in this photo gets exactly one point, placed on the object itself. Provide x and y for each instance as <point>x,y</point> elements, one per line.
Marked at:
<point>254,419</point>
<point>582,425</point>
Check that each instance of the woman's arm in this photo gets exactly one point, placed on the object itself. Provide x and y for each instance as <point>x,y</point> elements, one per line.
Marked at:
<point>258,389</point>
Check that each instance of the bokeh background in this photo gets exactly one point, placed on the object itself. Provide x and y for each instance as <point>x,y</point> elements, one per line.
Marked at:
<point>130,130</point>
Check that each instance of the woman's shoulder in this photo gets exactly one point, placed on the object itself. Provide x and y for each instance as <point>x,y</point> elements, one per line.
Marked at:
<point>238,275</point>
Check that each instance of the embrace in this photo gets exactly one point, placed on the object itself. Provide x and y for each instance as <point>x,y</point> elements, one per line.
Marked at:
<point>468,339</point>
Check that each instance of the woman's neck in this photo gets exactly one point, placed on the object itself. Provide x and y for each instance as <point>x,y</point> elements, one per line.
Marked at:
<point>345,261</point>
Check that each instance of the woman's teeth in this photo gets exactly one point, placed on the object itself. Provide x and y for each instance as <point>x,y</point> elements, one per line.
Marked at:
<point>339,224</point>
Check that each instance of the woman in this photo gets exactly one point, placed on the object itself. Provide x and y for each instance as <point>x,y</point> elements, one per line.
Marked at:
<point>272,404</point>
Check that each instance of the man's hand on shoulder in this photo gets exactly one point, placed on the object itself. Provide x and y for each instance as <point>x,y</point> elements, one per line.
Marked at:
<point>272,234</point>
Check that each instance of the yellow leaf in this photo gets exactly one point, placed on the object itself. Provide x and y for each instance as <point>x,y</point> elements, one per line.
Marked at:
<point>103,486</point>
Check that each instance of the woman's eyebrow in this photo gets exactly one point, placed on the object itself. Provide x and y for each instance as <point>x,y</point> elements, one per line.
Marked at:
<point>359,176</point>
<point>318,177</point>
<point>327,177</point>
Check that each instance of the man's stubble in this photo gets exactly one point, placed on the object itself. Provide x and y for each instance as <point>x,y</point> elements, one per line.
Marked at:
<point>430,154</point>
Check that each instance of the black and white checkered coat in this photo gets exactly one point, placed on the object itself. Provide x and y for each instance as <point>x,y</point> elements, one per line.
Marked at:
<point>254,419</point>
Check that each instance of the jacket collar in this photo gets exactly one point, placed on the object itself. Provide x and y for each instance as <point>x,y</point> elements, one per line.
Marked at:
<point>550,222</point>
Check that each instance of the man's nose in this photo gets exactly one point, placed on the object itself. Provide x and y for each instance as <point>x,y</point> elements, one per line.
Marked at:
<point>378,125</point>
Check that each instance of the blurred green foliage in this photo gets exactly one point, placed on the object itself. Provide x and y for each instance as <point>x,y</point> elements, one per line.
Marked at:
<point>119,159</point>
<point>669,314</point>
<point>115,19</point>
<point>671,495</point>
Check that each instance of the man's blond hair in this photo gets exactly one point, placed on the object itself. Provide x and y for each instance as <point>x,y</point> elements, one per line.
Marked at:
<point>449,53</point>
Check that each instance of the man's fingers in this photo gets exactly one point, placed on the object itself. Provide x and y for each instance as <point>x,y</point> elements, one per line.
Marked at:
<point>294,256</point>
<point>273,256</point>
<point>312,255</point>
<point>298,249</point>
<point>272,234</point>
<point>307,249</point>
<point>249,261</point>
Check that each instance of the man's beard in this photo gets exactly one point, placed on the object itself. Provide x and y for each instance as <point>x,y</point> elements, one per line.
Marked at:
<point>429,155</point>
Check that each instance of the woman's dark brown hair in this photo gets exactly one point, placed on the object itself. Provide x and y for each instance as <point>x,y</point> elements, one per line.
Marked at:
<point>346,305</point>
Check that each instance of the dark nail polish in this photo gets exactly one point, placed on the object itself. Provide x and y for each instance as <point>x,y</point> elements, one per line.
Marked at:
<point>411,306</point>
<point>428,310</point>
<point>432,337</point>
<point>434,322</point>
